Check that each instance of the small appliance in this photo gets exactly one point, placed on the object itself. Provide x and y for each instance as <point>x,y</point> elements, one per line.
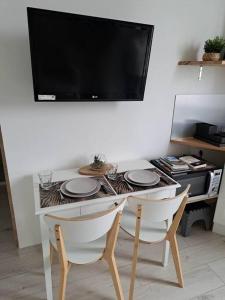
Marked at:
<point>204,181</point>
<point>210,133</point>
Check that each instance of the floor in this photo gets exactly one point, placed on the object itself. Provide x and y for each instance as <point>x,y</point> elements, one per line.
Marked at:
<point>202,255</point>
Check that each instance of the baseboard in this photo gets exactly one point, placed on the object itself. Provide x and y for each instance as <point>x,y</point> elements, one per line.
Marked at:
<point>218,228</point>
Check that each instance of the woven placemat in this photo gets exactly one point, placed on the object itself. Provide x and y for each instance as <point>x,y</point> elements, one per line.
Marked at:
<point>52,196</point>
<point>121,187</point>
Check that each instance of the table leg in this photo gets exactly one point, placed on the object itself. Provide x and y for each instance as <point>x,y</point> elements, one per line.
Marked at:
<point>166,247</point>
<point>46,258</point>
<point>166,252</point>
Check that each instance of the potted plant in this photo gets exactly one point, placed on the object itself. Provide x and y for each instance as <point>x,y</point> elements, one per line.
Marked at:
<point>213,48</point>
<point>98,162</point>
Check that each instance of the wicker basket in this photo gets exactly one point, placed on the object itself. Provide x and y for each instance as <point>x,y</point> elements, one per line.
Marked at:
<point>211,56</point>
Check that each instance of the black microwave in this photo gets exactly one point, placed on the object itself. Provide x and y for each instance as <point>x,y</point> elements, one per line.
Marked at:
<point>203,182</point>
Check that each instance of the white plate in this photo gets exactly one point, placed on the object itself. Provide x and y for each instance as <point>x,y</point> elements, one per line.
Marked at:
<point>66,193</point>
<point>142,176</point>
<point>142,184</point>
<point>81,185</point>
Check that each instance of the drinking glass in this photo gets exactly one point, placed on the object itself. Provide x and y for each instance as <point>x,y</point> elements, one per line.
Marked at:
<point>112,172</point>
<point>45,179</point>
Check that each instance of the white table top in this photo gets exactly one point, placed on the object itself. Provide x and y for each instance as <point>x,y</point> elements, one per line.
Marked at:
<point>61,175</point>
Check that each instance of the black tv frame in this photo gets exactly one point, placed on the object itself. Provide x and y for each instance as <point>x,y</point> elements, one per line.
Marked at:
<point>146,60</point>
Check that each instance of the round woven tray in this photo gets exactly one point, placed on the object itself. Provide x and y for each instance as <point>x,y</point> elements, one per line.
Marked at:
<point>87,170</point>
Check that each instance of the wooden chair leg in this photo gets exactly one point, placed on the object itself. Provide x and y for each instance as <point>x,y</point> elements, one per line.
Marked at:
<point>176,259</point>
<point>63,281</point>
<point>115,277</point>
<point>110,257</point>
<point>135,252</point>
<point>64,263</point>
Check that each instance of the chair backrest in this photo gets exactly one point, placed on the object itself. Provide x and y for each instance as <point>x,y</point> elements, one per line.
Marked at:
<point>157,210</point>
<point>86,228</point>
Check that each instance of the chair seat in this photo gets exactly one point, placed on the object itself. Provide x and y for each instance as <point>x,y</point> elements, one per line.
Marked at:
<point>85,253</point>
<point>150,231</point>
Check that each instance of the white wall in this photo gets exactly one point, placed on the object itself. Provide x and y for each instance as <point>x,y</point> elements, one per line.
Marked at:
<point>61,135</point>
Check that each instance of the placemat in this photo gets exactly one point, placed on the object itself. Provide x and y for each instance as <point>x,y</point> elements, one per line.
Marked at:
<point>121,187</point>
<point>52,196</point>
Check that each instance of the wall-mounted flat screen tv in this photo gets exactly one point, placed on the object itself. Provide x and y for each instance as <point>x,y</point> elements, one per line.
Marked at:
<point>82,58</point>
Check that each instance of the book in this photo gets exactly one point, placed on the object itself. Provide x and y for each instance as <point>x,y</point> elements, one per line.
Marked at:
<point>193,162</point>
<point>174,163</point>
<point>168,170</point>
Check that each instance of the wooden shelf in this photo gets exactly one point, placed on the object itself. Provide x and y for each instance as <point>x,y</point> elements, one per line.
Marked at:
<point>193,142</point>
<point>220,63</point>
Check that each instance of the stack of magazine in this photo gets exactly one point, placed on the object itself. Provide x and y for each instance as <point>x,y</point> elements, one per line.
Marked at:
<point>193,162</point>
<point>176,165</point>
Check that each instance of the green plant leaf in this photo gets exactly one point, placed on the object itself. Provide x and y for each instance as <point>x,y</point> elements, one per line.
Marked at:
<point>215,45</point>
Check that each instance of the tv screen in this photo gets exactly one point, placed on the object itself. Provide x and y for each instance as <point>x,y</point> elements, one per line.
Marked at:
<point>83,58</point>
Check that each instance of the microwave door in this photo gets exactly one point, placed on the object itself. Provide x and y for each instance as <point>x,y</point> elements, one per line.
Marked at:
<point>198,184</point>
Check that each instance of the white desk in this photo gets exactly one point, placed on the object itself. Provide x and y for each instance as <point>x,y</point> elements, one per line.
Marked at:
<point>89,206</point>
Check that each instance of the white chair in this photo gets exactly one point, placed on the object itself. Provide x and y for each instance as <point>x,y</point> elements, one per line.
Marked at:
<point>147,221</point>
<point>86,239</point>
